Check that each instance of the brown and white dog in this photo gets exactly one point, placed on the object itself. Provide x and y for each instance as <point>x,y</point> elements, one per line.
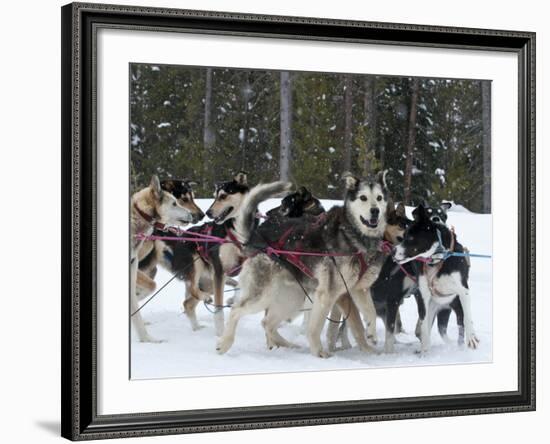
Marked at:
<point>151,208</point>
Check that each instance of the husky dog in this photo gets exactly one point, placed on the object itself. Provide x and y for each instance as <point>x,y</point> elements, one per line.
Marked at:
<point>382,292</point>
<point>439,281</point>
<point>152,207</point>
<point>438,214</point>
<point>353,230</point>
<point>296,204</point>
<point>203,266</point>
<point>182,190</point>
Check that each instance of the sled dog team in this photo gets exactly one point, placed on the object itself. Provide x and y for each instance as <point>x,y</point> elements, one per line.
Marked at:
<point>348,265</point>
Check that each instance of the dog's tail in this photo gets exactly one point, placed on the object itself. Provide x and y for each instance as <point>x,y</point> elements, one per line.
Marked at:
<point>244,222</point>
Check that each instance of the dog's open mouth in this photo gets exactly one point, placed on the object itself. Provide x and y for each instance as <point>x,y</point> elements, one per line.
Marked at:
<point>371,223</point>
<point>223,215</point>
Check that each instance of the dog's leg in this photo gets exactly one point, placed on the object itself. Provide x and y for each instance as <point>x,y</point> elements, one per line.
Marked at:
<point>254,297</point>
<point>305,321</point>
<point>321,308</point>
<point>425,325</point>
<point>398,323</point>
<point>145,285</point>
<point>343,336</point>
<point>442,323</point>
<point>137,320</point>
<point>190,303</point>
<point>219,282</point>
<point>247,305</point>
<point>355,324</point>
<point>421,312</point>
<point>270,323</point>
<point>346,306</point>
<point>464,294</point>
<point>392,311</point>
<point>459,312</point>
<point>333,328</point>
<point>364,302</point>
<point>193,294</point>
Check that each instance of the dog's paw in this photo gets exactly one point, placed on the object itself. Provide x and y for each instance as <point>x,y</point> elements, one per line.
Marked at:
<point>367,348</point>
<point>223,345</point>
<point>197,327</point>
<point>372,340</point>
<point>472,341</point>
<point>321,353</point>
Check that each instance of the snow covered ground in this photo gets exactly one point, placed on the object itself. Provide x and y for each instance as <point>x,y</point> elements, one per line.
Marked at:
<point>186,353</point>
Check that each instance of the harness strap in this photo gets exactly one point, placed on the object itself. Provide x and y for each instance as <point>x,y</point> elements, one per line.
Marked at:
<point>363,266</point>
<point>201,246</point>
<point>234,239</point>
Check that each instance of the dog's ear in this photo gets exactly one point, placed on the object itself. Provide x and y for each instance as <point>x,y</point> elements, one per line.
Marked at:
<point>400,210</point>
<point>446,205</point>
<point>381,179</point>
<point>304,192</point>
<point>419,213</point>
<point>168,185</point>
<point>241,178</point>
<point>156,189</point>
<point>351,181</point>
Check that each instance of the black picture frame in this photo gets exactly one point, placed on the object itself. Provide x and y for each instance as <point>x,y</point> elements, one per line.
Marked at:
<point>79,173</point>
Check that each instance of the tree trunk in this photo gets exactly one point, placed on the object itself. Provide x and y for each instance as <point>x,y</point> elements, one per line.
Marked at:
<point>348,113</point>
<point>486,123</point>
<point>286,126</point>
<point>209,138</point>
<point>411,141</point>
<point>370,122</point>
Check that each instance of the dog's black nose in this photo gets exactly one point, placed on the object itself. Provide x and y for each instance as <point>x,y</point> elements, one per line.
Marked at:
<point>198,216</point>
<point>375,212</point>
<point>209,214</point>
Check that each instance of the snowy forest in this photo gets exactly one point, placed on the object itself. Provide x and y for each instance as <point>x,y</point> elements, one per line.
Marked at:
<point>433,135</point>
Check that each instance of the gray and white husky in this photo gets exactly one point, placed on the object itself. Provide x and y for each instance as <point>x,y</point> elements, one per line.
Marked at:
<point>277,284</point>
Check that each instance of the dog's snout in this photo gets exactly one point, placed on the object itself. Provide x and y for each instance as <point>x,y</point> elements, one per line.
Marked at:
<point>436,219</point>
<point>375,211</point>
<point>198,216</point>
<point>209,213</point>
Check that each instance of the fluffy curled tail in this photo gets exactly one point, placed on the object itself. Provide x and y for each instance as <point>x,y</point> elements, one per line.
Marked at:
<point>245,220</point>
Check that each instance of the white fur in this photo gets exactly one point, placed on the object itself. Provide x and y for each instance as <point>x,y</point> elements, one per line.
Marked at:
<point>399,255</point>
<point>449,286</point>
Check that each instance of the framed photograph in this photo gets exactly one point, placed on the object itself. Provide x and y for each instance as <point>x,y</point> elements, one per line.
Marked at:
<point>280,221</point>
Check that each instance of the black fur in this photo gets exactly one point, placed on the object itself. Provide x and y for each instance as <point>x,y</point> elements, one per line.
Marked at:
<point>296,204</point>
<point>438,214</point>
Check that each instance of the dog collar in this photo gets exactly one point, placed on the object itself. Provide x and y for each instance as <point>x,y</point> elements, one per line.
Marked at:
<point>150,219</point>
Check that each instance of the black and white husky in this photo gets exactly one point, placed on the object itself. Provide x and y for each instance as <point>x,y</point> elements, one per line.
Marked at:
<point>277,284</point>
<point>438,214</point>
<point>440,281</point>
